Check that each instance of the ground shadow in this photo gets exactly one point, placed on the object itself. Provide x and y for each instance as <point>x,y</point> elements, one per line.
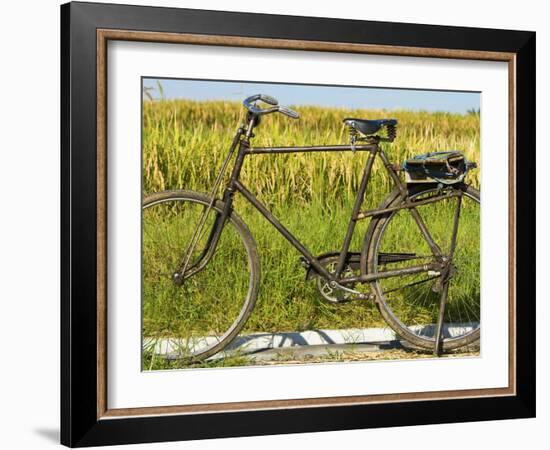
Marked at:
<point>50,434</point>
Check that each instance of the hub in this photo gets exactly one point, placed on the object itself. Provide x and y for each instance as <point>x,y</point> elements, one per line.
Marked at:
<point>177,278</point>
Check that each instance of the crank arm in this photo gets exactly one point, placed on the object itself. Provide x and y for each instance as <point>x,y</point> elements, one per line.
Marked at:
<point>359,295</point>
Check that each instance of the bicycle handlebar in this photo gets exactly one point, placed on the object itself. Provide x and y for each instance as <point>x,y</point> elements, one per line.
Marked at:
<point>249,103</point>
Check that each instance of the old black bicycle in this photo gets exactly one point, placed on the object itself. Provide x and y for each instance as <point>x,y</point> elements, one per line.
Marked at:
<point>420,251</point>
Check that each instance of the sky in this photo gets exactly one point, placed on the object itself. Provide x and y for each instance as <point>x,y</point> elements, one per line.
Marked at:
<point>330,96</point>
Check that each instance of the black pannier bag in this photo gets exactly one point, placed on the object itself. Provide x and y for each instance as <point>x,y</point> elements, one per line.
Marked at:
<point>447,167</point>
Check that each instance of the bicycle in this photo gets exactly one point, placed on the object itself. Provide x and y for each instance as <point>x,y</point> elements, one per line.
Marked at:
<point>195,242</point>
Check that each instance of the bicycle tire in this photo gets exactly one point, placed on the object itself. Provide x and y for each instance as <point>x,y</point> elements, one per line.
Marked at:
<point>238,228</point>
<point>370,262</point>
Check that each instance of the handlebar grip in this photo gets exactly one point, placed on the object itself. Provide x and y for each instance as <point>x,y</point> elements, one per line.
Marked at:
<point>251,106</point>
<point>247,102</point>
<point>289,112</point>
<point>268,99</point>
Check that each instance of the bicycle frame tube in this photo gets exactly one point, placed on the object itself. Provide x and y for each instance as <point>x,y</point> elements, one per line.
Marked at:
<point>407,204</point>
<point>353,219</point>
<point>311,149</point>
<point>284,231</point>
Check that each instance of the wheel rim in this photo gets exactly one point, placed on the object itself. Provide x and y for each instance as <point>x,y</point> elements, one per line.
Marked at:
<point>411,303</point>
<point>206,312</point>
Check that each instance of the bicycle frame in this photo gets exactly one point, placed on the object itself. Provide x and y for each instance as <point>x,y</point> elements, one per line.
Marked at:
<point>242,140</point>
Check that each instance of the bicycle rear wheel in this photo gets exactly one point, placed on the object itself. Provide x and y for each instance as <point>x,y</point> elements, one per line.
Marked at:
<point>410,304</point>
<point>209,309</point>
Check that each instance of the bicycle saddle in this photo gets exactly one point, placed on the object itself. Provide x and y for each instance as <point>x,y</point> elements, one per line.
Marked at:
<point>368,127</point>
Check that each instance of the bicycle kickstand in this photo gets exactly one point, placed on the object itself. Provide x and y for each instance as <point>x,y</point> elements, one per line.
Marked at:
<point>439,329</point>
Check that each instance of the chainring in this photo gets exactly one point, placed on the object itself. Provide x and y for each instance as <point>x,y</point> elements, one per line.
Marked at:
<point>329,293</point>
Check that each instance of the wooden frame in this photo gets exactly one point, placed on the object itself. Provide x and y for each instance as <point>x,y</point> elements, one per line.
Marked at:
<point>86,418</point>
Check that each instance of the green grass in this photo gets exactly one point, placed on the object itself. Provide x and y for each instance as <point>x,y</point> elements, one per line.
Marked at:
<point>184,144</point>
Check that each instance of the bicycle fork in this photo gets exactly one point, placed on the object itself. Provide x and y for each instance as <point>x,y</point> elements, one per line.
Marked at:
<point>187,268</point>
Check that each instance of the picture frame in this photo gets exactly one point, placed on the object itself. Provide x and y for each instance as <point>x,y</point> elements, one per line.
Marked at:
<point>86,418</point>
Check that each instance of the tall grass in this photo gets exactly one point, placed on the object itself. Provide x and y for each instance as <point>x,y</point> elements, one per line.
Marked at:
<point>184,143</point>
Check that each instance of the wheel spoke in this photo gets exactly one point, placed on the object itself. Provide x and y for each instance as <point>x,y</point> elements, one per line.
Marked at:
<point>409,285</point>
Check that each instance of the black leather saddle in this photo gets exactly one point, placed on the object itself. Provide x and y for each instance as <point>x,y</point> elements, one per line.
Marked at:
<point>369,127</point>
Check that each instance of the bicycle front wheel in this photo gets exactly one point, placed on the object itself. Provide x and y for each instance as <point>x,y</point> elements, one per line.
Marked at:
<point>410,303</point>
<point>210,307</point>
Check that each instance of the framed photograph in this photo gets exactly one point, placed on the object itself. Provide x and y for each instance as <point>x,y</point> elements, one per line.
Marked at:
<point>278,224</point>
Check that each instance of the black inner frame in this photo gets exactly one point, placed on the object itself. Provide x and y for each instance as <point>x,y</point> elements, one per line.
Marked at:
<point>80,425</point>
